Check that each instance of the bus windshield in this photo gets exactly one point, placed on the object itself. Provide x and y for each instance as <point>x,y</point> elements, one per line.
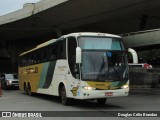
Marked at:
<point>100,43</point>
<point>103,60</point>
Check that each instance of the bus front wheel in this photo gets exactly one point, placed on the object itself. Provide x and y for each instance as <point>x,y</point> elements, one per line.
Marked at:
<point>64,99</point>
<point>101,101</point>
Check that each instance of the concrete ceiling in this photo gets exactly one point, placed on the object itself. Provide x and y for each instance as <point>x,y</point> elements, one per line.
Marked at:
<point>47,19</point>
<point>113,16</point>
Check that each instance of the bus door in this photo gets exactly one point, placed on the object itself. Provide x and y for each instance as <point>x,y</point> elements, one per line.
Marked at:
<point>73,72</point>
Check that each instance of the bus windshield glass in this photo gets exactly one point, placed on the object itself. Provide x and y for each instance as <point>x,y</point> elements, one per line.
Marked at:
<point>103,59</point>
<point>100,43</point>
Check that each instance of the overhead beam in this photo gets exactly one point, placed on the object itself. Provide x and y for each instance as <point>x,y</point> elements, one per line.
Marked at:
<point>142,38</point>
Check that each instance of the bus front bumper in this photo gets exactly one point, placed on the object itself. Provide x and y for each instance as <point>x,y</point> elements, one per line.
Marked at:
<point>95,94</point>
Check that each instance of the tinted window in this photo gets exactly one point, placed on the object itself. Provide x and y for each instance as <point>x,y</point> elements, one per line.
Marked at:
<point>15,76</point>
<point>52,52</point>
<point>72,44</point>
<point>62,49</point>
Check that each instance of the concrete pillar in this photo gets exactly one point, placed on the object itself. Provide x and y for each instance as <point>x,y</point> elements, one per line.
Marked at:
<point>4,57</point>
<point>12,51</point>
<point>3,50</point>
<point>143,22</point>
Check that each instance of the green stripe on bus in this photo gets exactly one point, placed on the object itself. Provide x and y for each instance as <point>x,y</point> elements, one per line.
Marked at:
<point>115,84</point>
<point>118,83</point>
<point>121,83</point>
<point>50,73</point>
<point>43,74</point>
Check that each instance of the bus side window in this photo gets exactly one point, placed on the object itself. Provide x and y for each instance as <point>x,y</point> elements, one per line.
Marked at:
<point>35,58</point>
<point>72,44</point>
<point>38,60</point>
<point>31,57</point>
<point>53,49</point>
<point>62,49</point>
<point>20,61</point>
<point>27,60</point>
<point>44,54</point>
<point>24,60</point>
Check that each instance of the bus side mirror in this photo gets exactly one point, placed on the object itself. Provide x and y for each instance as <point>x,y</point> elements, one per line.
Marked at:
<point>134,55</point>
<point>78,55</point>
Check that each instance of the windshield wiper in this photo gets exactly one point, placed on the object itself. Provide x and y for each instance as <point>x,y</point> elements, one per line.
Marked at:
<point>102,72</point>
<point>93,65</point>
<point>117,72</point>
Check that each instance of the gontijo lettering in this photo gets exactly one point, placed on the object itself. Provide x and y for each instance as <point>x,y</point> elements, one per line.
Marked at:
<point>32,70</point>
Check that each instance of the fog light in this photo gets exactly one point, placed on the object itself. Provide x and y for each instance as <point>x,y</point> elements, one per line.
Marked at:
<point>88,88</point>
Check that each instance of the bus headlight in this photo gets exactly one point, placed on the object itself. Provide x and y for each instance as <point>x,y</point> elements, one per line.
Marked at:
<point>125,86</point>
<point>88,88</point>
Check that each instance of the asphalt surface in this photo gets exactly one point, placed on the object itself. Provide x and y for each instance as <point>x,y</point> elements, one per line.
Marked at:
<point>139,100</point>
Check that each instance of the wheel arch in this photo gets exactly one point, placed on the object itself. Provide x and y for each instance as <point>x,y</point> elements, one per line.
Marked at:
<point>60,87</point>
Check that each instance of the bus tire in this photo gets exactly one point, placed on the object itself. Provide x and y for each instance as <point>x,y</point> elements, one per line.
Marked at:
<point>26,90</point>
<point>101,101</point>
<point>29,90</point>
<point>64,99</point>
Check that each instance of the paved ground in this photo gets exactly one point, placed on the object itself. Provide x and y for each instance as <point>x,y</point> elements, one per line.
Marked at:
<point>138,100</point>
<point>147,91</point>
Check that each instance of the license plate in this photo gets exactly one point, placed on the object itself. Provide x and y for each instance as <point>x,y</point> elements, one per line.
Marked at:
<point>109,94</point>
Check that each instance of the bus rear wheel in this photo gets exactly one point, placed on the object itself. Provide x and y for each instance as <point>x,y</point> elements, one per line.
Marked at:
<point>101,101</point>
<point>25,89</point>
<point>64,99</point>
<point>29,90</point>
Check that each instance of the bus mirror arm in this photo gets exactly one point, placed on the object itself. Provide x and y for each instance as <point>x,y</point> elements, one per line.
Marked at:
<point>78,55</point>
<point>76,68</point>
<point>134,55</point>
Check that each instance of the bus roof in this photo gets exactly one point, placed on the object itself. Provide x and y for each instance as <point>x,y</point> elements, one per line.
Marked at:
<point>72,34</point>
<point>39,46</point>
<point>90,34</point>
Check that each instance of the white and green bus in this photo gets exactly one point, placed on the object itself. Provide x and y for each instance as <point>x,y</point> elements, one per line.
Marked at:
<point>77,66</point>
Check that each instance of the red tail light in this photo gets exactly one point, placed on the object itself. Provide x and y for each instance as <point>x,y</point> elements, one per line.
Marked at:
<point>147,66</point>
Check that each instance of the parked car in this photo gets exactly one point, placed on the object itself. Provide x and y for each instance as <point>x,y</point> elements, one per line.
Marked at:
<point>141,65</point>
<point>9,80</point>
